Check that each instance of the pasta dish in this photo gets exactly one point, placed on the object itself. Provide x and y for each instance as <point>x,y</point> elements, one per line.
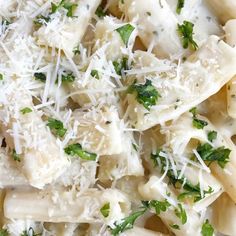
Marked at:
<point>117,117</point>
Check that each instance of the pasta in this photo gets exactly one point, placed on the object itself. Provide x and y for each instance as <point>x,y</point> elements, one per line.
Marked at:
<point>117,117</point>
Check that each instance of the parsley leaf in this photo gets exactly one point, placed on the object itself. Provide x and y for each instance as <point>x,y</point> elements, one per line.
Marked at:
<point>40,76</point>
<point>179,7</point>
<point>207,229</point>
<point>26,110</point>
<point>186,33</point>
<point>76,150</point>
<point>209,154</point>
<point>41,20</point>
<point>127,222</point>
<point>125,32</point>
<point>70,7</point>
<point>105,210</point>
<point>146,94</point>
<point>68,77</point>
<point>212,135</point>
<point>100,12</point>
<point>1,76</point>
<point>15,156</point>
<point>94,74</point>
<point>57,127</point>
<point>120,66</point>
<point>4,232</point>
<point>159,206</point>
<point>175,226</point>
<point>181,214</point>
<point>197,123</point>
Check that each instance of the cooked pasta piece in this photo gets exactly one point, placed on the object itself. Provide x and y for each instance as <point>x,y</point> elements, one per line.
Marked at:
<point>224,208</point>
<point>64,29</point>
<point>66,206</point>
<point>36,151</point>
<point>175,89</point>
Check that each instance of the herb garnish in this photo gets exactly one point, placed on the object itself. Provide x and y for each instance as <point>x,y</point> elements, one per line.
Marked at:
<point>76,150</point>
<point>94,74</point>
<point>180,5</point>
<point>125,32</point>
<point>40,76</point>
<point>186,33</point>
<point>181,214</point>
<point>209,154</point>
<point>120,66</point>
<point>146,94</point>
<point>105,210</point>
<point>26,110</point>
<point>207,229</point>
<point>57,127</point>
<point>4,232</point>
<point>212,135</point>
<point>197,123</point>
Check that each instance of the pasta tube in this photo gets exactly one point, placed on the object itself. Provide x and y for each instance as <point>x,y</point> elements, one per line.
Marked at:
<point>38,153</point>
<point>66,206</point>
<point>231,86</point>
<point>65,32</point>
<point>177,88</point>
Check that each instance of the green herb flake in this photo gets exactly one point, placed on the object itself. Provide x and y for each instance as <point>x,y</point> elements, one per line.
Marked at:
<point>180,5</point>
<point>1,76</point>
<point>94,74</point>
<point>105,210</point>
<point>186,33</point>
<point>125,32</point>
<point>26,110</point>
<point>57,127</point>
<point>175,226</point>
<point>30,232</point>
<point>68,78</point>
<point>70,7</point>
<point>40,76</point>
<point>159,206</point>
<point>41,20</point>
<point>209,154</point>
<point>76,150</point>
<point>199,124</point>
<point>100,12</point>
<point>146,94</point>
<point>121,65</point>
<point>127,222</point>
<point>15,156</point>
<point>212,135</point>
<point>4,232</point>
<point>76,51</point>
<point>207,229</point>
<point>181,214</point>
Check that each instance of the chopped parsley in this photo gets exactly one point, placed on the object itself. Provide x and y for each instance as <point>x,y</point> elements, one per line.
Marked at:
<point>105,210</point>
<point>94,74</point>
<point>181,214</point>
<point>70,7</point>
<point>100,12</point>
<point>197,123</point>
<point>68,78</point>
<point>128,222</point>
<point>26,110</point>
<point>146,94</point>
<point>209,154</point>
<point>4,232</point>
<point>1,76</point>
<point>207,229</point>
<point>120,66</point>
<point>180,5</point>
<point>76,150</point>
<point>159,206</point>
<point>40,76</point>
<point>76,51</point>
<point>125,32</point>
<point>186,33</point>
<point>41,20</point>
<point>175,226</point>
<point>212,135</point>
<point>15,156</point>
<point>57,127</point>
